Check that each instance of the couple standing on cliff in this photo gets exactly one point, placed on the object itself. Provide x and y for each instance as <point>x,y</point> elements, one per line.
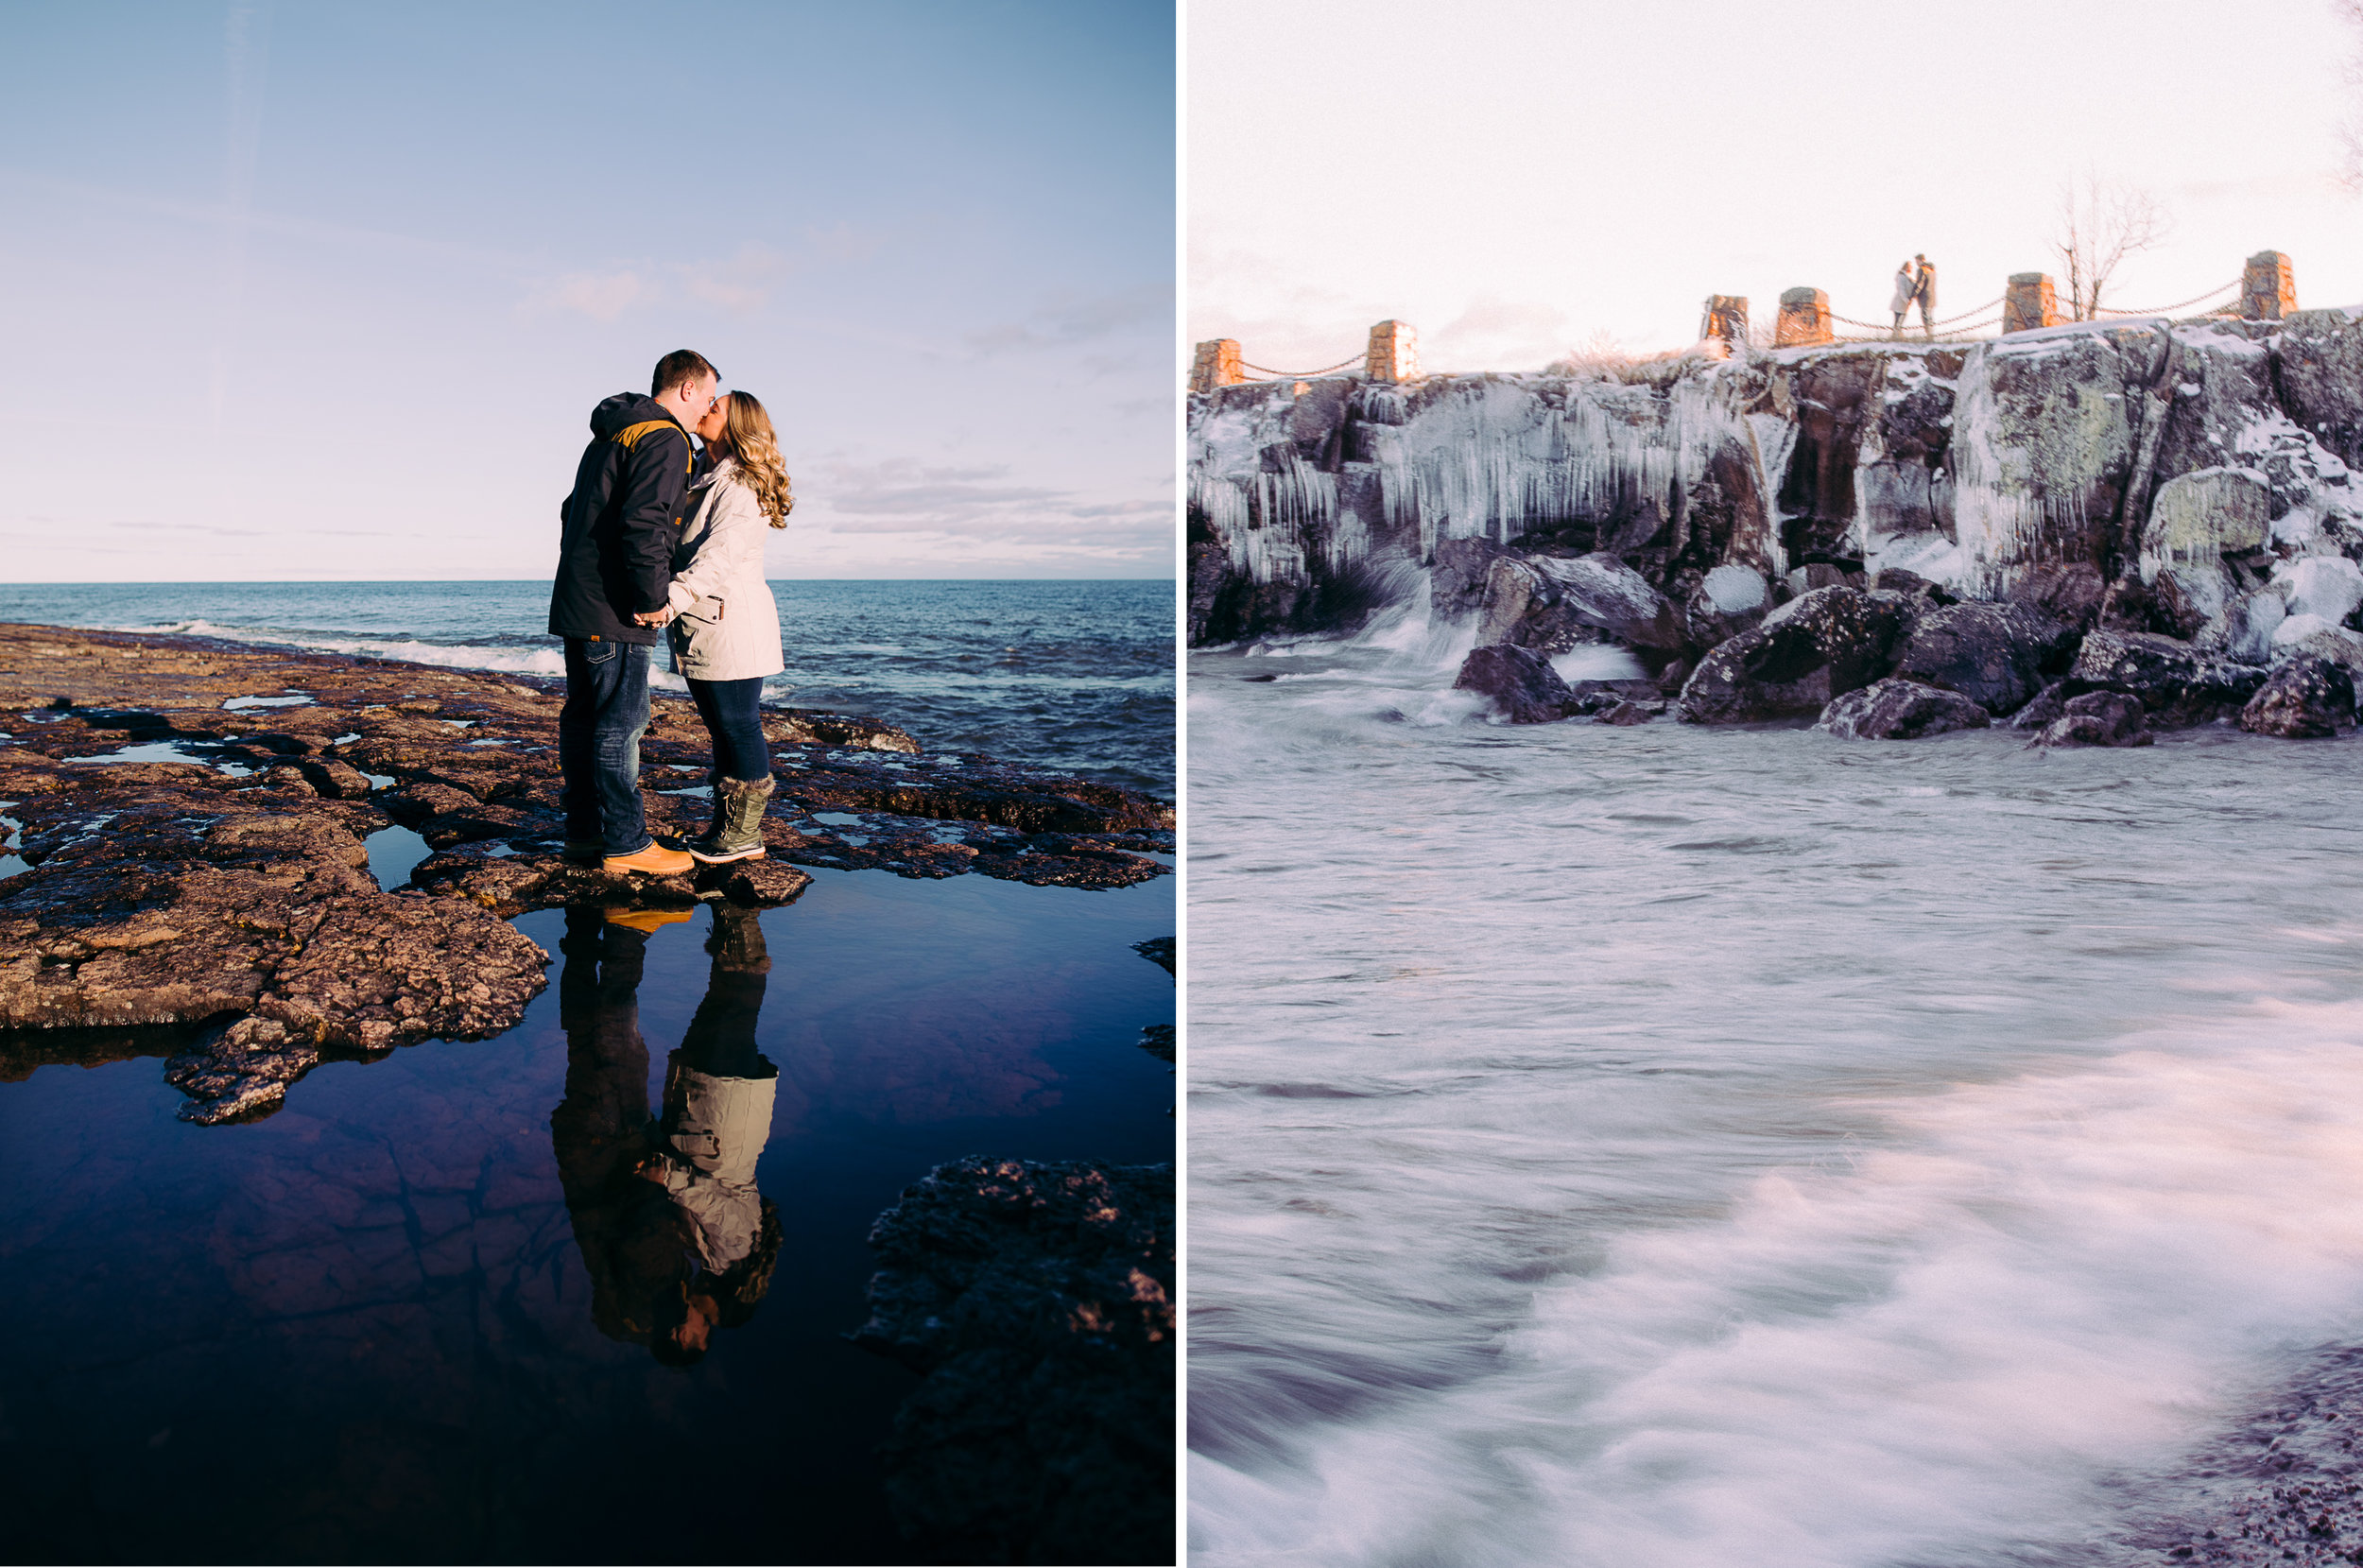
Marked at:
<point>1912,284</point>
<point>657,534</point>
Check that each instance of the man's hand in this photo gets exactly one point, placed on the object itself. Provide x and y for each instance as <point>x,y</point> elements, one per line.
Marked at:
<point>656,617</point>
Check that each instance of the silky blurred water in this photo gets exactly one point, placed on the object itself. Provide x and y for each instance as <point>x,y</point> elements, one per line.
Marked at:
<point>1073,676</point>
<point>1680,1146</point>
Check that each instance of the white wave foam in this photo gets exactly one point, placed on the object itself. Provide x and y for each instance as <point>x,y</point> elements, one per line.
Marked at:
<point>522,660</point>
<point>1949,1347</point>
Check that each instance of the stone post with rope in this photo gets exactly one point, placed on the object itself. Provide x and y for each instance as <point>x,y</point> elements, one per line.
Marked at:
<point>2032,302</point>
<point>1394,353</point>
<point>1724,317</point>
<point>1804,320</point>
<point>2267,289</point>
<point>1217,365</point>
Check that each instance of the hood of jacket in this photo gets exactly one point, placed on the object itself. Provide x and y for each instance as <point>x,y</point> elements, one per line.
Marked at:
<point>626,409</point>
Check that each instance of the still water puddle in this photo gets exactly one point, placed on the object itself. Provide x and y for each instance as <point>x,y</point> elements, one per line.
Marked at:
<point>436,1308</point>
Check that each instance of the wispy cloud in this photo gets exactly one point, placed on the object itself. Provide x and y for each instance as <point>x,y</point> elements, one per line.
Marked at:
<point>976,502</point>
<point>743,282</point>
<point>1071,318</point>
<point>601,296</point>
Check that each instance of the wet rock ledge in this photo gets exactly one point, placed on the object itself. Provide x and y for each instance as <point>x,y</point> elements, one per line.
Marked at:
<point>185,825</point>
<point>1037,1300</point>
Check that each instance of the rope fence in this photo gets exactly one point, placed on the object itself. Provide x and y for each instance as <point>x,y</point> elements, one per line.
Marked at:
<point>1299,375</point>
<point>2232,287</point>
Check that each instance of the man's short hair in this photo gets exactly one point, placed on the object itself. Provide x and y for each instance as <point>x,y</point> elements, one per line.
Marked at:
<point>680,368</point>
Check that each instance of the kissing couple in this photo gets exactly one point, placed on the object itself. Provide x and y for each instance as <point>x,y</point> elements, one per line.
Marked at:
<point>663,535</point>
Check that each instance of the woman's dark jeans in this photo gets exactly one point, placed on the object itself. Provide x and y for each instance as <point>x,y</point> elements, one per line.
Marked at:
<point>598,744</point>
<point>733,714</point>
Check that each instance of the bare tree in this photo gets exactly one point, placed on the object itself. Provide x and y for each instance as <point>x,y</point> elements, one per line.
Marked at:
<point>2100,223</point>
<point>2351,131</point>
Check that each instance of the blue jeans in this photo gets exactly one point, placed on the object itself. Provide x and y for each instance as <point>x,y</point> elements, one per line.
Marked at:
<point>598,744</point>
<point>734,714</point>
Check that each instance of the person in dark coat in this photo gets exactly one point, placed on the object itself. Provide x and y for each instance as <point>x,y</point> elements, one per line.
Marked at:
<point>614,574</point>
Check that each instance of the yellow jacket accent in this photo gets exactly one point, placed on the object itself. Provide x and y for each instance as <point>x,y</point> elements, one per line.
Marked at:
<point>628,436</point>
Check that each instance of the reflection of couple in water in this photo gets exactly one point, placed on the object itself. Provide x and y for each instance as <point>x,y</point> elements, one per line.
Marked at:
<point>672,1229</point>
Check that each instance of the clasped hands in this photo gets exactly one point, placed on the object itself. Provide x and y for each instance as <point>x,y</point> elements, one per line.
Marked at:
<point>653,617</point>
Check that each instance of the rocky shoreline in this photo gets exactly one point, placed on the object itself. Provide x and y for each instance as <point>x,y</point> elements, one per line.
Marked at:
<point>189,820</point>
<point>2028,528</point>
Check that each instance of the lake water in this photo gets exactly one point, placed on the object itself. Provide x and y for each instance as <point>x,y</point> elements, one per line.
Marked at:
<point>1073,676</point>
<point>1668,1148</point>
<point>408,1318</point>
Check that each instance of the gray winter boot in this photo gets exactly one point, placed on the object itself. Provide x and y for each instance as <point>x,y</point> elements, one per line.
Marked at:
<point>738,831</point>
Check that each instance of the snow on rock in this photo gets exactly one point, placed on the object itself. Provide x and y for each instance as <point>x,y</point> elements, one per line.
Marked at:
<point>2192,477</point>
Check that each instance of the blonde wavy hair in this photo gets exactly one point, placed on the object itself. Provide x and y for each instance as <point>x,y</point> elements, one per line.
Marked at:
<point>756,451</point>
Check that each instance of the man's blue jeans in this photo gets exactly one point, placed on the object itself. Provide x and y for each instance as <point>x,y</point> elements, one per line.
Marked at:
<point>598,744</point>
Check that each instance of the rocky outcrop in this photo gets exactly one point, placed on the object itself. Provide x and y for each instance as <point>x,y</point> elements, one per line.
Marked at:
<point>1900,710</point>
<point>1552,604</point>
<point>2305,698</point>
<point>1037,1300</point>
<point>2096,719</point>
<point>1523,686</point>
<point>1831,642</point>
<point>2176,683</point>
<point>2187,480</point>
<point>223,889</point>
<point>1996,655</point>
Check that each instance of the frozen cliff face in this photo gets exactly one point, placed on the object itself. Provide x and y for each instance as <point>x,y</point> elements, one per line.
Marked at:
<point>2140,459</point>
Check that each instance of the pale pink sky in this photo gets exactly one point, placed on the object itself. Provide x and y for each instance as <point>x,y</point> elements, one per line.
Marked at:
<point>1512,177</point>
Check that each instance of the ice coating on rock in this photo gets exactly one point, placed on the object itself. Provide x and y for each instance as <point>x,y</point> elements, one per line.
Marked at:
<point>2327,586</point>
<point>1734,589</point>
<point>2139,446</point>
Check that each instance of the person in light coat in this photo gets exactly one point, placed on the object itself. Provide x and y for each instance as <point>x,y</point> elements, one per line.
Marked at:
<point>1906,289</point>
<point>726,626</point>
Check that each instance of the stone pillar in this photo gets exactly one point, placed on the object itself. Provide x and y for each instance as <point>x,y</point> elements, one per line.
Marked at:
<point>2269,291</point>
<point>1804,320</point>
<point>2031,300</point>
<point>1726,318</point>
<point>1394,353</point>
<point>1217,365</point>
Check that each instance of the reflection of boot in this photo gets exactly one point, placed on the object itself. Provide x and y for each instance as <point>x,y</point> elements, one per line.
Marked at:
<point>646,920</point>
<point>736,940</point>
<point>737,832</point>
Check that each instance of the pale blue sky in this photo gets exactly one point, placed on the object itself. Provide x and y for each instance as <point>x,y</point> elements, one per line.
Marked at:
<point>1513,178</point>
<point>328,290</point>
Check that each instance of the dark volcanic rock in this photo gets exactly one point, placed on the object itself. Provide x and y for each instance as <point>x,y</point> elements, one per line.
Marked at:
<point>2097,719</point>
<point>1817,647</point>
<point>1554,604</point>
<point>1900,710</point>
<point>1037,1299</point>
<point>1520,680</point>
<point>2072,592</point>
<point>1997,655</point>
<point>1628,713</point>
<point>2306,697</point>
<point>2177,684</point>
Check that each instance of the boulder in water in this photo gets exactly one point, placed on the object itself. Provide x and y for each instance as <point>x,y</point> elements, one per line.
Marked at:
<point>2098,718</point>
<point>1997,655</point>
<point>1553,603</point>
<point>2177,683</point>
<point>1629,712</point>
<point>1823,644</point>
<point>1520,680</point>
<point>2305,697</point>
<point>1900,710</point>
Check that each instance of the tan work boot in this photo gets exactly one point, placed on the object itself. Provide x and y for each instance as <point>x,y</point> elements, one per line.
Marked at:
<point>646,920</point>
<point>655,860</point>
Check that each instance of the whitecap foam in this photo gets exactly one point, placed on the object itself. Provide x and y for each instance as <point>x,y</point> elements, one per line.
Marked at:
<point>1953,1344</point>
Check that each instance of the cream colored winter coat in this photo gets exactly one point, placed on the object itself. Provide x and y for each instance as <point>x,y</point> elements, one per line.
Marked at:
<point>726,625</point>
<point>715,1129</point>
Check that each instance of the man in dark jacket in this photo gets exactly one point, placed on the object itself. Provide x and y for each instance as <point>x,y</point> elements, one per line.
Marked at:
<point>614,565</point>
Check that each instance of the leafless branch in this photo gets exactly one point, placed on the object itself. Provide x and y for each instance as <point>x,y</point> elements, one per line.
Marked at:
<point>2100,223</point>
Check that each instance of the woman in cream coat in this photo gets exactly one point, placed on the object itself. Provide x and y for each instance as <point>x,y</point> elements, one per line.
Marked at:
<point>726,627</point>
